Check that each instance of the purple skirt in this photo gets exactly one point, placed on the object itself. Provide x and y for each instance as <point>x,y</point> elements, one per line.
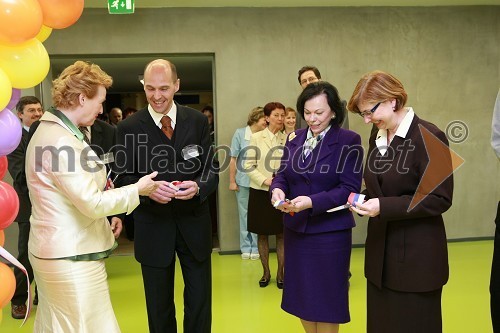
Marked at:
<point>317,275</point>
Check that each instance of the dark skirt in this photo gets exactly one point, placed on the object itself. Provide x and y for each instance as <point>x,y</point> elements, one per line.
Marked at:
<point>317,275</point>
<point>263,218</point>
<point>391,311</point>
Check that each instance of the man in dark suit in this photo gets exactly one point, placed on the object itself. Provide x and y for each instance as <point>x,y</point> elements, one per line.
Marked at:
<point>175,220</point>
<point>29,109</point>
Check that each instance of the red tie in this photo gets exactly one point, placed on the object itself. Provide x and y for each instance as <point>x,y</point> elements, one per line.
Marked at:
<point>166,126</point>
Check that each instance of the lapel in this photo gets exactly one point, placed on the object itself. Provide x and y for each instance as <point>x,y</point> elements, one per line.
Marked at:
<point>181,128</point>
<point>155,135</point>
<point>96,134</point>
<point>372,180</point>
<point>322,151</point>
<point>394,151</point>
<point>266,138</point>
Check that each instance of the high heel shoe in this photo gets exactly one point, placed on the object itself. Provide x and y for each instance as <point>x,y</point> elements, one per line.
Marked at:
<point>264,282</point>
<point>279,283</point>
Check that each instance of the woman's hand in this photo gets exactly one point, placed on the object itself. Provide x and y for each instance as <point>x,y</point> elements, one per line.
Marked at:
<point>268,181</point>
<point>370,207</point>
<point>277,195</point>
<point>233,187</point>
<point>299,204</point>
<point>116,226</point>
<point>147,185</point>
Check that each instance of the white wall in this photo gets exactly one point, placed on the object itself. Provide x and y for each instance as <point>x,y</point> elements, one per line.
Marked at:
<point>447,57</point>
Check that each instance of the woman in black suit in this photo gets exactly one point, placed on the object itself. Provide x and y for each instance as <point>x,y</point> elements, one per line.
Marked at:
<point>406,260</point>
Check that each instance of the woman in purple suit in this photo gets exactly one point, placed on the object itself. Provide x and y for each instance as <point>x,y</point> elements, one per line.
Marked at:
<point>321,166</point>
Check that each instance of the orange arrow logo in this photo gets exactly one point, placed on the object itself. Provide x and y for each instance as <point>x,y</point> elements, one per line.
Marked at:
<point>442,163</point>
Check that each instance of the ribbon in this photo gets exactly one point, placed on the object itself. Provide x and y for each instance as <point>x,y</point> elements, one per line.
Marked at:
<point>10,258</point>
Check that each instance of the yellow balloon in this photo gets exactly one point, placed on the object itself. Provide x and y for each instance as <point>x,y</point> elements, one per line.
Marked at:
<point>44,33</point>
<point>26,64</point>
<point>5,89</point>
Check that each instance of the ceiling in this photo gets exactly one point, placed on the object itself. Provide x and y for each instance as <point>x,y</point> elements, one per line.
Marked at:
<point>195,71</point>
<point>293,3</point>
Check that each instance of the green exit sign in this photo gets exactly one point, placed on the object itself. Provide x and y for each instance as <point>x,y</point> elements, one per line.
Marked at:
<point>121,6</point>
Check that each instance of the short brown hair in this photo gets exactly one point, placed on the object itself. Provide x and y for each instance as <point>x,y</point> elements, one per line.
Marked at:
<point>377,86</point>
<point>80,78</point>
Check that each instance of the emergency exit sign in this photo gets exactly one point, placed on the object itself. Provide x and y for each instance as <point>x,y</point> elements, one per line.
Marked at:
<point>121,6</point>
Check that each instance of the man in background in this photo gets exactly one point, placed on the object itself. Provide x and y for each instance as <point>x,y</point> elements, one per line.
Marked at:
<point>29,109</point>
<point>310,74</point>
<point>115,116</point>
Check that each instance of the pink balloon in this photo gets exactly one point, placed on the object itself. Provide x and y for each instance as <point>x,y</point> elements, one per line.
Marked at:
<point>11,131</point>
<point>16,95</point>
<point>3,166</point>
<point>9,201</point>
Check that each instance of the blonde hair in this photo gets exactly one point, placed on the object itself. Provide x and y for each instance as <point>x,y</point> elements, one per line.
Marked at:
<point>80,78</point>
<point>255,115</point>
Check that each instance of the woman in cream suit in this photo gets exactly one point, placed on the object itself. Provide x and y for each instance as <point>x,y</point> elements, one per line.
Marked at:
<point>70,235</point>
<point>263,159</point>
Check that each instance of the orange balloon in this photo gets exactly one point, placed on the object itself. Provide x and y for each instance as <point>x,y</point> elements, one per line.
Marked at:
<point>8,285</point>
<point>20,20</point>
<point>60,14</point>
<point>2,238</point>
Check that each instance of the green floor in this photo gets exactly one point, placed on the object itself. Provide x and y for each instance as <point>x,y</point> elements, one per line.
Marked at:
<point>240,306</point>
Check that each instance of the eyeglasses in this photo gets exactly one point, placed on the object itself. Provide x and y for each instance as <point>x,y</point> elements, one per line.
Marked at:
<point>309,80</point>
<point>370,112</point>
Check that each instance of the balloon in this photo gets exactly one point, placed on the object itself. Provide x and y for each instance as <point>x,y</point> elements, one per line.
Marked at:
<point>60,14</point>
<point>44,33</point>
<point>2,238</point>
<point>20,20</point>
<point>11,132</point>
<point>9,201</point>
<point>8,285</point>
<point>26,64</point>
<point>5,89</point>
<point>3,166</point>
<point>16,95</point>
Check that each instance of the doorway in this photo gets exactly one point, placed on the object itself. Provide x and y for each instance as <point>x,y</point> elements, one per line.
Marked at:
<point>196,73</point>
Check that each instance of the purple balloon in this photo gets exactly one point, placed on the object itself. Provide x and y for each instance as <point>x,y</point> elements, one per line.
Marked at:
<point>10,132</point>
<point>16,95</point>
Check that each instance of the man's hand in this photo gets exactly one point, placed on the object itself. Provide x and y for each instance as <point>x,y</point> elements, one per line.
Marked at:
<point>187,190</point>
<point>163,193</point>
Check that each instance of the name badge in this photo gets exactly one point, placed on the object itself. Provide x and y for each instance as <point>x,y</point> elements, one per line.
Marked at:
<point>190,151</point>
<point>107,158</point>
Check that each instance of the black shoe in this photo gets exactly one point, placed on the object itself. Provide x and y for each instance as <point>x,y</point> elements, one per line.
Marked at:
<point>35,300</point>
<point>19,311</point>
<point>279,283</point>
<point>264,282</point>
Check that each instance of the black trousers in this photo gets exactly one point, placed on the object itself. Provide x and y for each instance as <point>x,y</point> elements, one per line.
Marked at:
<point>21,293</point>
<point>159,289</point>
<point>495,277</point>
